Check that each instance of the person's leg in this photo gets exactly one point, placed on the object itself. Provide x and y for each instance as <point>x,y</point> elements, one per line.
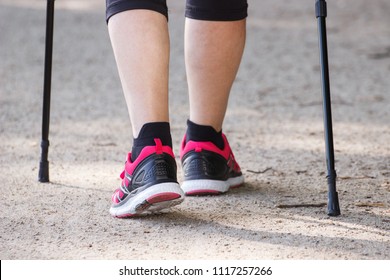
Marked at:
<point>140,42</point>
<point>138,31</point>
<point>213,51</point>
<point>214,42</point>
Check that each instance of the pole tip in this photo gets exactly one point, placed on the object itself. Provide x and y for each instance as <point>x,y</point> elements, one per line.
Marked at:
<point>333,205</point>
<point>43,175</point>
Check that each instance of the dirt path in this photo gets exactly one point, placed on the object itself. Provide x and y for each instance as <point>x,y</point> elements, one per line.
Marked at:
<point>274,124</point>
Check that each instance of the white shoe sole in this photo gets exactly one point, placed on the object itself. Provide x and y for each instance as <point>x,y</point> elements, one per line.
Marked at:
<point>205,186</point>
<point>153,199</point>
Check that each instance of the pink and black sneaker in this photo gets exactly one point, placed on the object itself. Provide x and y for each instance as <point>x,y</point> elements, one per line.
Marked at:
<point>207,169</point>
<point>149,184</point>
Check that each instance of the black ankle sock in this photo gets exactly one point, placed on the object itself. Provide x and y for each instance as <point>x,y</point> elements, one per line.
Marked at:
<point>148,133</point>
<point>197,132</point>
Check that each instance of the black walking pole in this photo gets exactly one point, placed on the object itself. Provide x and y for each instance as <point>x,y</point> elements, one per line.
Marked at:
<point>333,200</point>
<point>44,164</point>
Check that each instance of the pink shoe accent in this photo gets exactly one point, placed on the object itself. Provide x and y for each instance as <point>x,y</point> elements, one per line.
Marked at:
<point>203,192</point>
<point>126,216</point>
<point>161,197</point>
<point>209,146</point>
<point>114,197</point>
<point>159,146</point>
<point>147,151</point>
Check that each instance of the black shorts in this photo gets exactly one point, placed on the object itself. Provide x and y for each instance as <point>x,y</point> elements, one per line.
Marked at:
<point>213,10</point>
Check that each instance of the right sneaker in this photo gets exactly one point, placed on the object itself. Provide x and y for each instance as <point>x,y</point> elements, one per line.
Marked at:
<point>149,184</point>
<point>208,169</point>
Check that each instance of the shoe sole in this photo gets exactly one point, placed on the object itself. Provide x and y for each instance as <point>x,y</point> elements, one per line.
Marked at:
<point>149,201</point>
<point>210,187</point>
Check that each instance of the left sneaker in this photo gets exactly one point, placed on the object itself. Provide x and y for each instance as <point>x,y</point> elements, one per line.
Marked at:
<point>149,184</point>
<point>207,169</point>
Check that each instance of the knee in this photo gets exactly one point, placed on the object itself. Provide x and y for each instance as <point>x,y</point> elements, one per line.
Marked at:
<point>116,6</point>
<point>217,10</point>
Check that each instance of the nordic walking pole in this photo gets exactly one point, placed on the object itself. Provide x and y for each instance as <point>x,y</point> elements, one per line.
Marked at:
<point>44,164</point>
<point>333,200</point>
